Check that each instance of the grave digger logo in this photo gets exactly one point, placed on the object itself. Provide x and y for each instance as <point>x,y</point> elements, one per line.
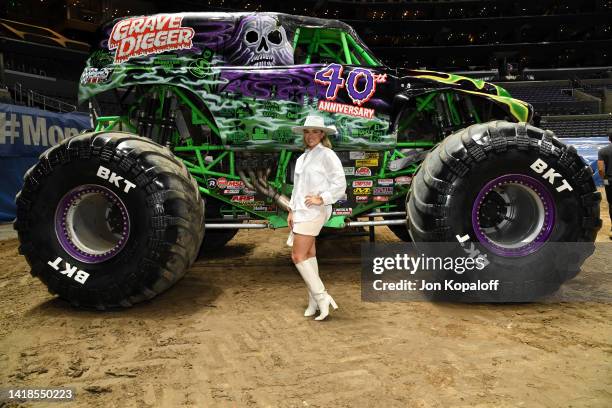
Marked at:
<point>138,36</point>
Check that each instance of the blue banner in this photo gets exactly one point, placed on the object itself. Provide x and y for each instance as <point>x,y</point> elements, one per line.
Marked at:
<point>587,147</point>
<point>27,132</point>
<point>24,134</point>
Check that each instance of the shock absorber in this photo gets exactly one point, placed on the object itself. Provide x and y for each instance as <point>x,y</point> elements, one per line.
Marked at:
<point>444,115</point>
<point>140,129</point>
<point>150,123</point>
<point>146,117</point>
<point>168,119</point>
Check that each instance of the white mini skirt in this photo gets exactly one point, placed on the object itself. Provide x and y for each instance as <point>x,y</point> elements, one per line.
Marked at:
<point>311,227</point>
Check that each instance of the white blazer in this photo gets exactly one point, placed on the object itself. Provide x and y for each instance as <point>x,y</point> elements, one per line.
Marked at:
<point>318,171</point>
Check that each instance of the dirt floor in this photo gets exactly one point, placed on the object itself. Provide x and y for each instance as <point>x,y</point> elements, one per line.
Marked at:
<point>232,334</point>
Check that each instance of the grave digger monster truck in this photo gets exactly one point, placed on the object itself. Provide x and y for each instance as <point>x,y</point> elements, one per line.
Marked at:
<point>192,141</point>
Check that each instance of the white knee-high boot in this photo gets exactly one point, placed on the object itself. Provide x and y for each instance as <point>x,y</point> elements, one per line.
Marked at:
<point>312,303</point>
<point>316,287</point>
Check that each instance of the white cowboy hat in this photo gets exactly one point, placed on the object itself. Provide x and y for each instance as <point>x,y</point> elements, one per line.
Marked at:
<point>314,122</point>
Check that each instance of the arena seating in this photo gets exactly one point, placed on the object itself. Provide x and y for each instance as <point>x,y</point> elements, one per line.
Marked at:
<point>597,90</point>
<point>578,128</point>
<point>551,98</point>
<point>567,108</point>
<point>540,93</point>
<point>21,96</point>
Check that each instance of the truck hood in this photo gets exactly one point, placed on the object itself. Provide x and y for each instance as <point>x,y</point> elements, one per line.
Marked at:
<point>453,81</point>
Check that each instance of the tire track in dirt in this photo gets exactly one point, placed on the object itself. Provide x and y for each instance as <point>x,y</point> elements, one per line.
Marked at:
<point>232,334</point>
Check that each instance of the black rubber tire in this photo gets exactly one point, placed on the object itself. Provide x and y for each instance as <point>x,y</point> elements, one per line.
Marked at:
<point>446,186</point>
<point>165,210</point>
<point>400,231</point>
<point>215,239</point>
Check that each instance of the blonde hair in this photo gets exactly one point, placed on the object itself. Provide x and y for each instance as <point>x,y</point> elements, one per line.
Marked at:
<point>324,141</point>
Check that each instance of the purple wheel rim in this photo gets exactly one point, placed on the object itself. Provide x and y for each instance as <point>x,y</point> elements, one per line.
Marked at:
<point>542,201</point>
<point>87,209</point>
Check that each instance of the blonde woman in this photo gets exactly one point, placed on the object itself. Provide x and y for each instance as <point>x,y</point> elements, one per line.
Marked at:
<point>319,182</point>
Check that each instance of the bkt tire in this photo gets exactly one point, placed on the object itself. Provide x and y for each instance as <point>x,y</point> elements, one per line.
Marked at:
<point>400,231</point>
<point>215,239</point>
<point>109,219</point>
<point>515,195</point>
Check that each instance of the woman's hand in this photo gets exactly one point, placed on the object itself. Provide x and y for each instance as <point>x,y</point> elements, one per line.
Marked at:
<point>313,200</point>
<point>290,219</point>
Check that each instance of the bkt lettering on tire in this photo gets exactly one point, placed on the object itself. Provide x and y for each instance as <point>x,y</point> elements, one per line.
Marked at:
<point>549,174</point>
<point>115,179</point>
<point>69,270</point>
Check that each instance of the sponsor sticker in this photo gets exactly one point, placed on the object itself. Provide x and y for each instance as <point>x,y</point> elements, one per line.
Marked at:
<point>231,191</point>
<point>253,203</point>
<point>349,171</point>
<point>243,198</point>
<point>385,182</point>
<point>140,36</point>
<point>403,180</point>
<point>362,199</point>
<point>211,183</point>
<point>248,191</point>
<point>380,198</point>
<point>363,183</point>
<point>235,184</point>
<point>383,191</point>
<point>362,191</point>
<point>366,162</point>
<point>363,171</point>
<point>343,211</point>
<point>357,155</point>
<point>221,182</point>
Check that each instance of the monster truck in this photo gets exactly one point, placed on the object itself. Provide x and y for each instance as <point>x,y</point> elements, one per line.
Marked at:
<point>191,140</point>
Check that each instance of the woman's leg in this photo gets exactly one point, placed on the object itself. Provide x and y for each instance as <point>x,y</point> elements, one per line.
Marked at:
<point>302,247</point>
<point>310,274</point>
<point>312,303</point>
<point>312,251</point>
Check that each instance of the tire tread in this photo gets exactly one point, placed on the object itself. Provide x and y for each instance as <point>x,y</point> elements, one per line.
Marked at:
<point>166,260</point>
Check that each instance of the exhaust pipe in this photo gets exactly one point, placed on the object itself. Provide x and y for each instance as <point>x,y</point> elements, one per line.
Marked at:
<point>259,182</point>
